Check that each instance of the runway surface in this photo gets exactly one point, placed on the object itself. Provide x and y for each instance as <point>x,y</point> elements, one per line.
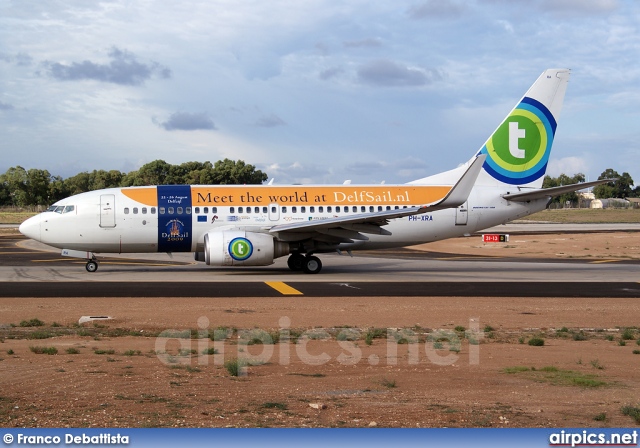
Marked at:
<point>28,269</point>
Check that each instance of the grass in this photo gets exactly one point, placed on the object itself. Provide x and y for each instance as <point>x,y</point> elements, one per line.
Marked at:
<point>72,351</point>
<point>275,405</point>
<point>633,412</point>
<point>44,350</point>
<point>596,364</point>
<point>536,342</point>
<point>628,334</point>
<point>586,215</point>
<point>104,352</point>
<point>32,323</point>
<point>235,366</point>
<point>558,377</point>
<point>389,384</point>
<point>210,351</point>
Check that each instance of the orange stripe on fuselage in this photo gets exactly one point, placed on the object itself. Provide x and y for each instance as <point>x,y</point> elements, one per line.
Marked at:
<point>317,195</point>
<point>300,195</point>
<point>146,196</point>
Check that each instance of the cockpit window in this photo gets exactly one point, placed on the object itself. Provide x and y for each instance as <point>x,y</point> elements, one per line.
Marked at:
<point>59,209</point>
<point>69,209</point>
<point>51,209</point>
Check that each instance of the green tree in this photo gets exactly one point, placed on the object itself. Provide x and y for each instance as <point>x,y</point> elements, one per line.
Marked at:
<point>619,188</point>
<point>152,173</point>
<point>15,181</point>
<point>231,172</point>
<point>563,179</point>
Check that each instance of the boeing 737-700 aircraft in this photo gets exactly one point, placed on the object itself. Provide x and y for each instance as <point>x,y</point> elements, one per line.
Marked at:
<point>248,225</point>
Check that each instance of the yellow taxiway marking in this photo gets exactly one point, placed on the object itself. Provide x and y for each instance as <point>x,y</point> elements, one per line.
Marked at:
<point>603,261</point>
<point>284,289</point>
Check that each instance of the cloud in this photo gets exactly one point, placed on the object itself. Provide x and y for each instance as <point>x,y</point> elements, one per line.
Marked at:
<point>568,166</point>
<point>124,68</point>
<point>184,121</point>
<point>439,9</point>
<point>5,106</point>
<point>270,121</point>
<point>383,72</point>
<point>20,59</point>
<point>363,43</point>
<point>578,7</point>
<point>331,73</point>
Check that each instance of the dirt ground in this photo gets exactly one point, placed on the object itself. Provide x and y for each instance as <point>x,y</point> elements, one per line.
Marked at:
<point>362,362</point>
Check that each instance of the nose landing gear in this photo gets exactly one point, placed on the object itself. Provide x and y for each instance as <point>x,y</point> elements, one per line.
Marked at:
<point>92,266</point>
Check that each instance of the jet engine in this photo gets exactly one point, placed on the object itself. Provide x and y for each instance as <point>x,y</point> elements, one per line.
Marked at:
<point>240,248</point>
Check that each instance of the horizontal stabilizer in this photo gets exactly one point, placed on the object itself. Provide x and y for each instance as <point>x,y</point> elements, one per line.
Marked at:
<point>552,192</point>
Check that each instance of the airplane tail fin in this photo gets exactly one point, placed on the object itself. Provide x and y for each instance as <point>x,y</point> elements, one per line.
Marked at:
<point>518,151</point>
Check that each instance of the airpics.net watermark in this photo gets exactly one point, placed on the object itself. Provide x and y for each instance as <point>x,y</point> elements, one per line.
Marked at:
<point>286,345</point>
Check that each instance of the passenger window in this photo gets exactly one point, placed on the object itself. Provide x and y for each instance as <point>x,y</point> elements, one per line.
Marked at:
<point>337,209</point>
<point>303,209</point>
<point>321,209</point>
<point>379,208</point>
<point>355,209</point>
<point>329,209</point>
<point>363,208</point>
<point>249,210</point>
<point>232,209</point>
<point>153,210</point>
<point>205,210</point>
<point>371,209</point>
<point>144,210</point>
<point>135,210</point>
<point>388,207</point>
<point>171,210</point>
<point>294,209</point>
<point>397,207</point>
<point>284,209</point>
<point>257,209</point>
<point>126,210</point>
<point>312,209</point>
<point>213,209</point>
<point>197,210</point>
<point>273,209</point>
<point>188,210</point>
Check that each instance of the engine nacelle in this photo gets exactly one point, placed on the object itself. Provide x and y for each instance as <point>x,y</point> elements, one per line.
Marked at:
<point>240,248</point>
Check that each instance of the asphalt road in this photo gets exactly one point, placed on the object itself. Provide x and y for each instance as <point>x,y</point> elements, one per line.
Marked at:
<point>28,270</point>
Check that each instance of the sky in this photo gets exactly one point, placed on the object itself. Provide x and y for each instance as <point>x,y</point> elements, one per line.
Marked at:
<point>310,91</point>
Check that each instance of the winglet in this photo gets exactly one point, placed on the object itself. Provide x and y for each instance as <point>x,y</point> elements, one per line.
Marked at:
<point>460,192</point>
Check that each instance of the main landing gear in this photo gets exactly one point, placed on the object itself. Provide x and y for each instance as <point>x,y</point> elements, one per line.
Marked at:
<point>310,264</point>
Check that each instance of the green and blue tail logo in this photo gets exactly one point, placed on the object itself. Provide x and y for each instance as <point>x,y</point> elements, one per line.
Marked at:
<point>518,152</point>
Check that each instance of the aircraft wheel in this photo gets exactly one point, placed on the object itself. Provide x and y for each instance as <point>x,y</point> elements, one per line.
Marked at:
<point>92,266</point>
<point>312,265</point>
<point>296,261</point>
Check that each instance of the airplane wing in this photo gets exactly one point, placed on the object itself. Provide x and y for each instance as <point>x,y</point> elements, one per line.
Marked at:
<point>347,228</point>
<point>552,192</point>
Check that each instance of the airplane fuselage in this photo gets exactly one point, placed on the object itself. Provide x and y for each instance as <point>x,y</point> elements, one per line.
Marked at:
<point>175,218</point>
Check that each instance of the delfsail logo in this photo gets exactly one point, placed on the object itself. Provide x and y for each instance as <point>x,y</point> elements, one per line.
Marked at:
<point>518,152</point>
<point>175,231</point>
<point>240,249</point>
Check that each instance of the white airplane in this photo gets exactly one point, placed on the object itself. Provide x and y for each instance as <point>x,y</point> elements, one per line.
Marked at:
<point>251,225</point>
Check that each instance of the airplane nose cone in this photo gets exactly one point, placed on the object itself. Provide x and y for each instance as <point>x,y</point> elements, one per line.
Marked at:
<point>31,228</point>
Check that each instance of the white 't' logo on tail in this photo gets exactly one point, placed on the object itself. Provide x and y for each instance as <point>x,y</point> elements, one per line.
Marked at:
<point>515,133</point>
